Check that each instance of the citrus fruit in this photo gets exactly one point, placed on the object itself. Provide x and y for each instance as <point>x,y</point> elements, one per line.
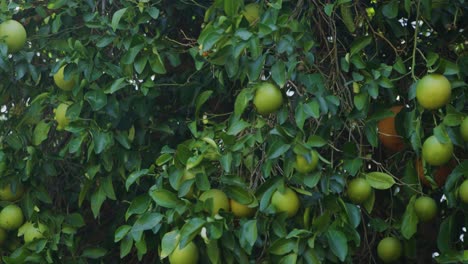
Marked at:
<point>252,12</point>
<point>3,236</point>
<point>436,153</point>
<point>219,200</point>
<point>61,116</point>
<point>11,217</point>
<point>387,131</point>
<point>62,83</point>
<point>241,210</point>
<point>14,35</point>
<point>186,255</point>
<point>285,201</point>
<point>304,166</point>
<point>268,98</point>
<point>463,191</point>
<point>433,91</point>
<point>7,194</point>
<point>425,208</point>
<point>464,129</point>
<point>389,249</point>
<point>359,190</point>
<point>439,174</point>
<point>32,231</point>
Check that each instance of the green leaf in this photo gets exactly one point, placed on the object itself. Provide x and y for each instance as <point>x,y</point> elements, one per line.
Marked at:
<point>354,214</point>
<point>139,205</point>
<point>338,243</point>
<point>409,224</point>
<point>134,176</point>
<point>201,99</point>
<point>359,44</point>
<point>190,230</point>
<point>157,64</point>
<point>316,141</point>
<point>276,149</point>
<point>278,73</point>
<point>94,252</point>
<point>116,18</point>
<point>231,7</point>
<point>300,116</point>
<point>116,85</point>
<point>102,140</point>
<point>248,234</point>
<point>41,132</point>
<point>444,238</point>
<point>242,101</point>
<point>121,232</point>
<point>360,100</point>
<point>96,98</point>
<point>97,198</point>
<point>283,246</point>
<point>147,221</point>
<point>165,198</point>
<point>126,246</point>
<point>240,194</point>
<point>237,127</point>
<point>380,180</point>
<point>169,242</point>
<point>390,10</point>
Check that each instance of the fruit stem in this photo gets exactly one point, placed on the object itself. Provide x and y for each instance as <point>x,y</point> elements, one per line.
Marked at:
<point>415,44</point>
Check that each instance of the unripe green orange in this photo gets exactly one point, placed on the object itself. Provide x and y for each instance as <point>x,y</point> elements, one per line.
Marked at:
<point>286,201</point>
<point>186,255</point>
<point>359,190</point>
<point>303,166</point>
<point>241,210</point>
<point>268,98</point>
<point>219,198</point>
<point>433,91</point>
<point>425,208</point>
<point>436,153</point>
<point>62,83</point>
<point>14,35</point>
<point>389,249</point>
<point>11,217</point>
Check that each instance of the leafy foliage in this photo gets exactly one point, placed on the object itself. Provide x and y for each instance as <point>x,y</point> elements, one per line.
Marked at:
<point>163,111</point>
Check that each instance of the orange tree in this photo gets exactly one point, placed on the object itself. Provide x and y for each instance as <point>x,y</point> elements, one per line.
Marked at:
<point>128,130</point>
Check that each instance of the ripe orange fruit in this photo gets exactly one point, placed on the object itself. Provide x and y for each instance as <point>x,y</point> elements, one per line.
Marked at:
<point>186,255</point>
<point>286,201</point>
<point>241,210</point>
<point>387,131</point>
<point>440,174</point>
<point>359,190</point>
<point>219,198</point>
<point>463,191</point>
<point>435,153</point>
<point>14,35</point>
<point>464,129</point>
<point>268,98</point>
<point>62,83</point>
<point>425,208</point>
<point>433,91</point>
<point>303,166</point>
<point>389,249</point>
